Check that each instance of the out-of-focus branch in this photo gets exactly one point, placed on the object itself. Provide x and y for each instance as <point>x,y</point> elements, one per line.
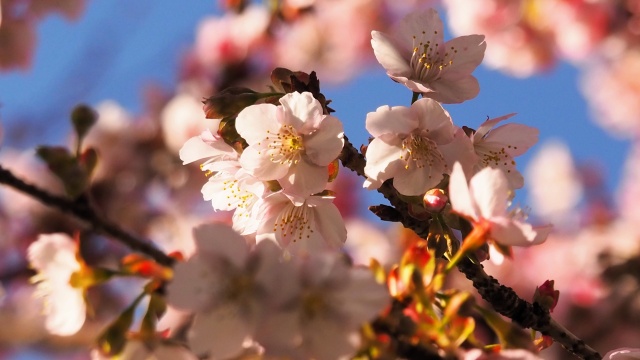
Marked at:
<point>83,211</point>
<point>503,299</point>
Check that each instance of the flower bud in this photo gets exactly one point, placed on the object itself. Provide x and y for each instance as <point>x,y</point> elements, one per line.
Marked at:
<point>229,102</point>
<point>546,295</point>
<point>435,200</point>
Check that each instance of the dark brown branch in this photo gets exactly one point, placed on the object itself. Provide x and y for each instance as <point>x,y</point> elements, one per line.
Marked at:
<point>83,211</point>
<point>503,299</point>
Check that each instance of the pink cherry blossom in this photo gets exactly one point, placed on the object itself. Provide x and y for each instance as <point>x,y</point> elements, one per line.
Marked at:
<point>497,147</point>
<point>302,226</point>
<point>484,201</point>
<point>226,286</point>
<point>292,143</point>
<point>53,256</point>
<point>417,56</point>
<point>332,302</point>
<point>407,146</point>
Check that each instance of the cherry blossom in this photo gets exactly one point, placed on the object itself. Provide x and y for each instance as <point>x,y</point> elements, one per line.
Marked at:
<point>417,56</point>
<point>227,288</point>
<point>496,147</point>
<point>484,202</point>
<point>332,302</point>
<point>301,226</point>
<point>407,146</point>
<point>229,186</point>
<point>53,256</point>
<point>292,143</point>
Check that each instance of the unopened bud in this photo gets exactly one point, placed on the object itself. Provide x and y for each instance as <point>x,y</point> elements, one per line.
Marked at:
<point>229,102</point>
<point>435,200</point>
<point>546,295</point>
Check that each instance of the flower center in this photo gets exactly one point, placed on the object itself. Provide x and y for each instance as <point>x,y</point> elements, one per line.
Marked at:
<point>295,221</point>
<point>495,158</point>
<point>428,62</point>
<point>286,146</point>
<point>313,304</point>
<point>421,152</point>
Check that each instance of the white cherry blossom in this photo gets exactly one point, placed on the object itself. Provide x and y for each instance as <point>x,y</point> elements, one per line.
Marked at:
<point>497,147</point>
<point>417,56</point>
<point>292,143</point>
<point>407,146</point>
<point>484,201</point>
<point>53,256</point>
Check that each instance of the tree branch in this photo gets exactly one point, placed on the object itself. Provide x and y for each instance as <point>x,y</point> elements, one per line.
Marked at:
<point>502,298</point>
<point>83,211</point>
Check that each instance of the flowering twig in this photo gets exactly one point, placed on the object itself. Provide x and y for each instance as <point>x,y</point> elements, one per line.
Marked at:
<point>503,299</point>
<point>82,210</point>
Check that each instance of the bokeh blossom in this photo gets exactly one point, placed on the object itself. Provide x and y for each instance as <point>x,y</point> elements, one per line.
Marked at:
<point>418,57</point>
<point>53,256</point>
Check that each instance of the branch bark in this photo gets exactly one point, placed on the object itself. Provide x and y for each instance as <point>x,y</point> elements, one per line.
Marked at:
<point>502,298</point>
<point>83,211</point>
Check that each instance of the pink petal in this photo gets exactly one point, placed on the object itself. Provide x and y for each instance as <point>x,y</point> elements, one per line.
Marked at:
<point>515,138</point>
<point>389,56</point>
<point>391,120</point>
<point>416,181</point>
<point>434,118</point>
<point>330,224</point>
<point>459,194</point>
<point>220,332</point>
<point>196,149</point>
<point>490,191</point>
<point>512,233</point>
<point>424,26</point>
<point>454,91</point>
<point>305,179</point>
<point>324,145</point>
<point>470,52</point>
<point>383,159</point>
<point>484,128</point>
<point>220,240</point>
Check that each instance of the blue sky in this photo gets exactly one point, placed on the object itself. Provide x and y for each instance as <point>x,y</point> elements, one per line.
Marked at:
<point>118,46</point>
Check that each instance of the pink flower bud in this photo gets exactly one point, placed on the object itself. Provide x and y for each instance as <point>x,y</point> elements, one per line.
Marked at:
<point>435,200</point>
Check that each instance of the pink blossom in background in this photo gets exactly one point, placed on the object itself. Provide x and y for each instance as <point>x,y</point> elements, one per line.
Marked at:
<point>623,354</point>
<point>183,118</point>
<point>628,195</point>
<point>417,56</point>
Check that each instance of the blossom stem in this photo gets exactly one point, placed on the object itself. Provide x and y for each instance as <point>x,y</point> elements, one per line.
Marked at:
<point>503,299</point>
<point>83,210</point>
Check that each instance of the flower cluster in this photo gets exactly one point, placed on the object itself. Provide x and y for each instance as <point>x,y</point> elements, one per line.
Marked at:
<point>276,184</point>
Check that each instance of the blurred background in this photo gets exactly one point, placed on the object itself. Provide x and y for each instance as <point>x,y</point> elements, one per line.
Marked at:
<point>570,68</point>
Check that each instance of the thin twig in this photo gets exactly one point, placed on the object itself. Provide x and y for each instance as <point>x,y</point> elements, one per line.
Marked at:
<point>83,211</point>
<point>503,299</point>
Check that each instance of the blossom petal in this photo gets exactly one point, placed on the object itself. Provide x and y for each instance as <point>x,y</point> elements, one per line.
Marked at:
<point>484,128</point>
<point>196,148</point>
<point>388,56</point>
<point>194,285</point>
<point>509,232</point>
<point>432,116</point>
<point>384,159</point>
<point>490,190</point>
<point>302,111</point>
<point>470,52</point>
<point>425,27</point>
<point>259,164</point>
<point>324,145</point>
<point>67,310</point>
<point>220,240</point>
<point>459,194</point>
<point>305,179</point>
<point>322,331</point>
<point>256,121</point>
<point>330,223</point>
<point>220,332</point>
<point>516,139</point>
<point>454,92</point>
<point>391,120</point>
<point>416,181</point>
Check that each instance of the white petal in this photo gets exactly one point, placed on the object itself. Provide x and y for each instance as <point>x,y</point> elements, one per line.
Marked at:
<point>470,52</point>
<point>322,331</point>
<point>257,162</point>
<point>324,145</point>
<point>391,120</point>
<point>384,159</point>
<point>490,191</point>
<point>302,111</point>
<point>66,310</point>
<point>194,284</point>
<point>305,179</point>
<point>454,91</point>
<point>330,224</point>
<point>516,139</point>
<point>416,181</point>
<point>513,233</point>
<point>256,121</point>
<point>196,148</point>
<point>459,194</point>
